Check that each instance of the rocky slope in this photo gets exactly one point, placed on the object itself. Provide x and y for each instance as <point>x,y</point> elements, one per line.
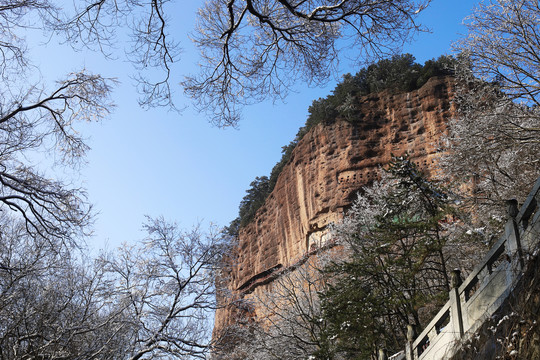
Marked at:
<point>328,166</point>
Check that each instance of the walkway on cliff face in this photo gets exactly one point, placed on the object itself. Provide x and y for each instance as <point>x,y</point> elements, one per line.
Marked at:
<point>474,301</point>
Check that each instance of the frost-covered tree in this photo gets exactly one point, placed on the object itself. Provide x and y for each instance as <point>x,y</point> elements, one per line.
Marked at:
<point>288,322</point>
<point>494,141</point>
<point>492,148</point>
<point>291,312</point>
<point>503,46</point>
<point>165,290</point>
<point>54,304</point>
<point>399,237</point>
<point>151,300</point>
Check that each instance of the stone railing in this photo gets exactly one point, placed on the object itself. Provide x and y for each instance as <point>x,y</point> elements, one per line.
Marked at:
<point>474,300</point>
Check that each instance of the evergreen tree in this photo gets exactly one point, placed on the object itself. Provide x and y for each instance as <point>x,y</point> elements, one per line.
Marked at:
<point>395,235</point>
<point>254,199</point>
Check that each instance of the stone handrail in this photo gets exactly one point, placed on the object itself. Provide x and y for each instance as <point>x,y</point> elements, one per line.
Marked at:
<point>487,286</point>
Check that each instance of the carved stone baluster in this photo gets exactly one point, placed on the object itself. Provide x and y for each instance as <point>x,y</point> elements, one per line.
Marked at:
<point>455,304</point>
<point>411,336</point>
<point>512,234</point>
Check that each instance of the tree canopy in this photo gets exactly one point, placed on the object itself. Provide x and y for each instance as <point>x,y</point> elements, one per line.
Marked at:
<point>256,49</point>
<point>250,50</point>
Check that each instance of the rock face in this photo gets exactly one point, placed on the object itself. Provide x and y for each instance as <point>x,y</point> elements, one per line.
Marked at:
<point>327,167</point>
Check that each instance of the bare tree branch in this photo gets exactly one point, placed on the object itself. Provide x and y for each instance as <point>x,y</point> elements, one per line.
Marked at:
<point>503,45</point>
<point>254,50</point>
<point>33,122</point>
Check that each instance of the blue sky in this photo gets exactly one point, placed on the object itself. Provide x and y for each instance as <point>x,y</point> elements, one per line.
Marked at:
<point>157,162</point>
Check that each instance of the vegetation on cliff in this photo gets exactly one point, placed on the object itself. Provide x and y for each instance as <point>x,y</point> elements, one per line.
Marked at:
<point>398,74</point>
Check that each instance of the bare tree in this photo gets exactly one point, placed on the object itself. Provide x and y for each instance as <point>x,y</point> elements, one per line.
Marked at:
<point>39,120</point>
<point>151,300</point>
<point>15,17</point>
<point>34,122</point>
<point>167,290</point>
<point>288,323</point>
<point>251,50</point>
<point>53,300</point>
<point>503,46</point>
<point>495,139</point>
<point>256,49</point>
<point>52,304</point>
<point>98,25</point>
<point>291,312</point>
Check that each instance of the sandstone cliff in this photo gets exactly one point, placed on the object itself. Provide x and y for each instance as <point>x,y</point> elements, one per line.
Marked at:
<point>327,167</point>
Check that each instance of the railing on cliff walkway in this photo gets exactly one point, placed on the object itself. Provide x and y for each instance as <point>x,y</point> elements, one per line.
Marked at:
<point>476,299</point>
